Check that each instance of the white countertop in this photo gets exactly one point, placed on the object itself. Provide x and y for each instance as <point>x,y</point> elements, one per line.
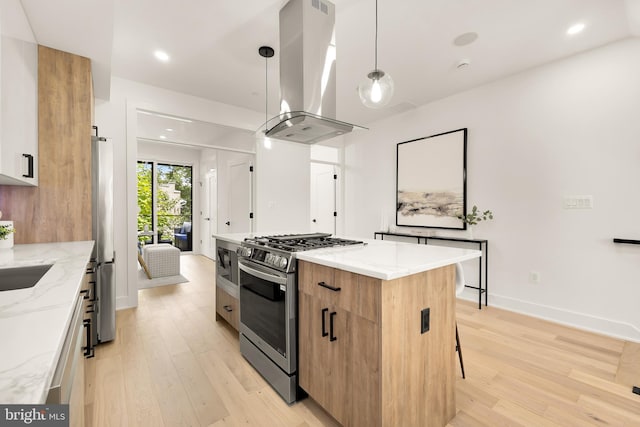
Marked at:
<point>388,260</point>
<point>34,321</point>
<point>236,238</point>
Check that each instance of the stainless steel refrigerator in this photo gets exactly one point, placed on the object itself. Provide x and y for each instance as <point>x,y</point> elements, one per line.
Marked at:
<point>104,315</point>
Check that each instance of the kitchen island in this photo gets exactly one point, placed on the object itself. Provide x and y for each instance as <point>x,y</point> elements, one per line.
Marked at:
<point>377,332</point>
<point>34,321</point>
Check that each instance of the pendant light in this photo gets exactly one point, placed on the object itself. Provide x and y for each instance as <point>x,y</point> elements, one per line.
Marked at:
<point>266,52</point>
<point>377,89</point>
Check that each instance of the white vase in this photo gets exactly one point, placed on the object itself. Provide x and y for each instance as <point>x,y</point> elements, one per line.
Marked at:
<point>470,232</point>
<point>7,243</point>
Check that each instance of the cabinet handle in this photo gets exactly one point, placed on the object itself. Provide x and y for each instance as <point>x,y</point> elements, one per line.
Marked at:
<point>92,284</point>
<point>324,323</point>
<point>88,350</point>
<point>331,316</point>
<point>86,293</point>
<point>29,173</point>
<point>227,308</point>
<point>324,285</point>
<point>91,308</point>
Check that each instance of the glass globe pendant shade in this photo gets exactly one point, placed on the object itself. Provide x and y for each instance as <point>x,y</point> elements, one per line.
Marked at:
<point>376,90</point>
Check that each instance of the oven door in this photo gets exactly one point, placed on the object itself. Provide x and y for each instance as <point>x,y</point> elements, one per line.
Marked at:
<point>267,312</point>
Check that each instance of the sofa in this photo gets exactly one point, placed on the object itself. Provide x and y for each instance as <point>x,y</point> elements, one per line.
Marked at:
<point>182,237</point>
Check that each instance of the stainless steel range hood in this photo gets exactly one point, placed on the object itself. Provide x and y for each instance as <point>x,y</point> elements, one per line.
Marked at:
<point>307,74</point>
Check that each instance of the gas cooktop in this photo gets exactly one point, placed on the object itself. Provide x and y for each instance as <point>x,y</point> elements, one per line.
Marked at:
<point>279,251</point>
<point>301,242</point>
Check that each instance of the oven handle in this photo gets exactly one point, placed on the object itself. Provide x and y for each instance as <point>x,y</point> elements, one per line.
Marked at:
<point>264,276</point>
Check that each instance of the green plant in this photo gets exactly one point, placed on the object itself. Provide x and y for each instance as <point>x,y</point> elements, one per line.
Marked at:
<point>5,230</point>
<point>475,216</point>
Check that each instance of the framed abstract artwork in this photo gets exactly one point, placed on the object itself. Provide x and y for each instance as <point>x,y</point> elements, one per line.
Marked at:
<point>431,181</point>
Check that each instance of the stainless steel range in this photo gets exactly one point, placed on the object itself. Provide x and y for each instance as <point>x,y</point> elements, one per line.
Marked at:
<point>269,304</point>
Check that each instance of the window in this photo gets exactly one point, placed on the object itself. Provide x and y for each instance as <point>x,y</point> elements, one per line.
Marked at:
<point>165,196</point>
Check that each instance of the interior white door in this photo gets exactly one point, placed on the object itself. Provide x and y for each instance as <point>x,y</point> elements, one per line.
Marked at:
<point>323,198</point>
<point>209,214</point>
<point>239,198</point>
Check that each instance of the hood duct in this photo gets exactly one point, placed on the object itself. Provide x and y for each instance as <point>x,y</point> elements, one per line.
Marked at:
<point>307,74</point>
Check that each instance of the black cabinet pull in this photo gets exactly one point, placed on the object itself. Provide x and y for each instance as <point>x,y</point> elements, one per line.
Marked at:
<point>324,322</point>
<point>92,285</point>
<point>332,337</point>
<point>91,308</point>
<point>324,285</point>
<point>227,308</point>
<point>29,173</point>
<point>88,350</point>
<point>86,293</point>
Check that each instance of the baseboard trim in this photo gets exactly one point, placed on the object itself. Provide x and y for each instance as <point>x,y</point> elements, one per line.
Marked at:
<point>122,303</point>
<point>587,322</point>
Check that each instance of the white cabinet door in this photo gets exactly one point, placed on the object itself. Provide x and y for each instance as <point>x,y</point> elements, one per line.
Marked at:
<point>18,112</point>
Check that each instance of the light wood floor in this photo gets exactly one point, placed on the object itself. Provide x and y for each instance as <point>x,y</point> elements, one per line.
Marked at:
<point>172,364</point>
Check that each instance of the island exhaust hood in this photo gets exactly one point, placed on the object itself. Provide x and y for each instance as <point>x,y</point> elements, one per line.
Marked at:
<point>307,75</point>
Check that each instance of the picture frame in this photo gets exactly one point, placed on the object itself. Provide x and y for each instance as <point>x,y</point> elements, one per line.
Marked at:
<point>431,181</point>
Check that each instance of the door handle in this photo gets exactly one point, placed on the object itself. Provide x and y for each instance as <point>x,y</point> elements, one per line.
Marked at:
<point>332,337</point>
<point>324,325</point>
<point>228,222</point>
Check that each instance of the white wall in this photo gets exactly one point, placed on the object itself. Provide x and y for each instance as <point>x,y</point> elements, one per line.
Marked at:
<point>567,128</point>
<point>282,187</point>
<point>117,120</point>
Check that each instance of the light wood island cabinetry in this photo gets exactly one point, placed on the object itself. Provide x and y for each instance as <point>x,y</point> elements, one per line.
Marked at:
<point>362,355</point>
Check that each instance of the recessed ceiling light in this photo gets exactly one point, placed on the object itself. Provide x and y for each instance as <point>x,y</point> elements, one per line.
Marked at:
<point>161,55</point>
<point>575,29</point>
<point>465,39</point>
<point>169,130</point>
<point>163,137</point>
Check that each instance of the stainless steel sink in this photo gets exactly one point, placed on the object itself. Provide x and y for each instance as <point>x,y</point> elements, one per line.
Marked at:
<point>21,277</point>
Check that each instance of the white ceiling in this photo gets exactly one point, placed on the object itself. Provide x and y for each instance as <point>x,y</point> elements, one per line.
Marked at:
<point>213,43</point>
<point>158,127</point>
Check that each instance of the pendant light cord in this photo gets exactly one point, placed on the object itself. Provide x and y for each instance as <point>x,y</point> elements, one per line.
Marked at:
<point>266,94</point>
<point>376,52</point>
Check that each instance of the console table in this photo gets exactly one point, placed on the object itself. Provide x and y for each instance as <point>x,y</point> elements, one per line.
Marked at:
<point>483,246</point>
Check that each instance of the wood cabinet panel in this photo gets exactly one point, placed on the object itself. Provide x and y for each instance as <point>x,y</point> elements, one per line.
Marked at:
<point>59,209</point>
<point>381,370</point>
<point>358,294</point>
<point>323,364</point>
<point>228,308</point>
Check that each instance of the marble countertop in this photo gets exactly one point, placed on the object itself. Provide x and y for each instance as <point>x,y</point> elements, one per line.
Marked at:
<point>236,238</point>
<point>388,260</point>
<point>34,321</point>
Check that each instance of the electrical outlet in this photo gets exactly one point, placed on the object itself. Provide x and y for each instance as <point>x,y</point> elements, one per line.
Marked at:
<point>534,277</point>
<point>578,202</point>
<point>424,320</point>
